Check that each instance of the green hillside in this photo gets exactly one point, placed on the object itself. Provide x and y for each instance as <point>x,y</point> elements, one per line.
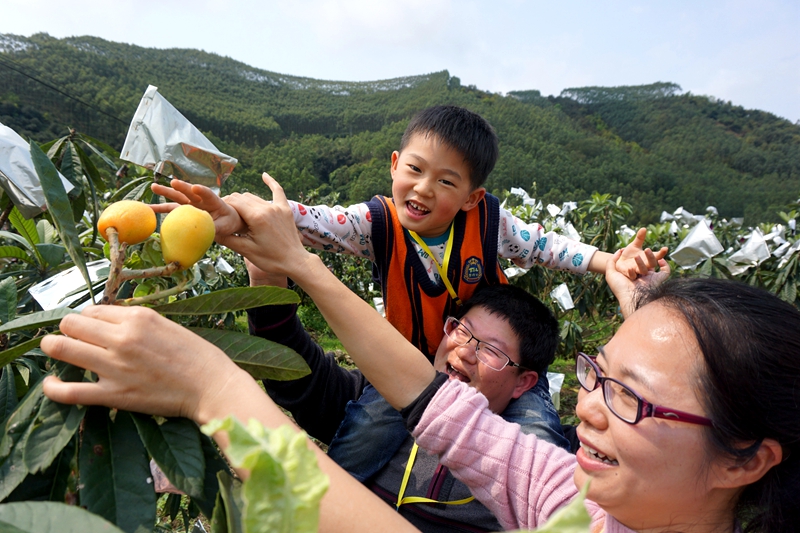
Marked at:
<point>653,145</point>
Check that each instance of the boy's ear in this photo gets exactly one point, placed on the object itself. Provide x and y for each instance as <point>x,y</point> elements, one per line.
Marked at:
<point>525,382</point>
<point>395,157</point>
<point>473,199</point>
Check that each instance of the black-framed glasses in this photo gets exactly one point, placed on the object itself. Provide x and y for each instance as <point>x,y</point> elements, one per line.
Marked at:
<point>487,354</point>
<point>623,401</point>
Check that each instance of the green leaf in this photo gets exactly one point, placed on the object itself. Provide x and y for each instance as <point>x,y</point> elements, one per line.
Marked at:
<point>8,299</point>
<point>47,232</point>
<point>285,486</point>
<point>89,168</point>
<point>139,193</point>
<point>17,253</point>
<point>25,227</point>
<point>53,427</point>
<point>215,465</point>
<point>570,519</point>
<point>37,320</point>
<point>54,148</point>
<point>21,240</point>
<point>8,393</point>
<point>91,142</point>
<point>175,447</point>
<point>12,443</point>
<point>115,471</point>
<point>69,169</point>
<point>52,254</point>
<point>229,515</point>
<point>38,517</point>
<point>122,192</point>
<point>60,209</point>
<point>6,356</point>
<point>789,292</point>
<point>230,300</point>
<point>261,358</point>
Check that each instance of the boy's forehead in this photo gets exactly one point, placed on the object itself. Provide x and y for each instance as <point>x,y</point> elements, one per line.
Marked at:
<point>495,328</point>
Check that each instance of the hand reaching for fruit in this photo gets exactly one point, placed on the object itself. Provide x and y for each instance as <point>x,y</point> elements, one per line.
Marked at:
<point>226,220</point>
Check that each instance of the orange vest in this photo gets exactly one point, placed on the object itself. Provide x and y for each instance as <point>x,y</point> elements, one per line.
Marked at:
<point>414,304</point>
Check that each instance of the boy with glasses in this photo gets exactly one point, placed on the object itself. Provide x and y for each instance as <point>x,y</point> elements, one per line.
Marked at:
<point>499,342</point>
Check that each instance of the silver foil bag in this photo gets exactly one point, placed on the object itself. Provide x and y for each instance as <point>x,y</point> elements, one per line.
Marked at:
<point>163,140</point>
<point>18,175</point>
<point>700,244</point>
<point>752,253</point>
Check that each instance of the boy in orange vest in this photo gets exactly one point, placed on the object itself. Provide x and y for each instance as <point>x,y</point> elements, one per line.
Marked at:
<point>439,237</point>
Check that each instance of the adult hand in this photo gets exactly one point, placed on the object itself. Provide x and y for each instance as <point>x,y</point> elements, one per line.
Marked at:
<point>226,219</point>
<point>271,240</point>
<point>625,288</point>
<point>144,363</point>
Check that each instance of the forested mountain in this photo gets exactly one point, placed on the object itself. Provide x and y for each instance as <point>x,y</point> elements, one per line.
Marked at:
<point>653,145</point>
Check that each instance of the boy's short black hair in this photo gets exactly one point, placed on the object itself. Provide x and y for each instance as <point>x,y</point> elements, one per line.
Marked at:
<point>529,318</point>
<point>466,132</point>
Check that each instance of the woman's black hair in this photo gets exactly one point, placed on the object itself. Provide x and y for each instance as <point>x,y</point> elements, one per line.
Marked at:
<point>750,386</point>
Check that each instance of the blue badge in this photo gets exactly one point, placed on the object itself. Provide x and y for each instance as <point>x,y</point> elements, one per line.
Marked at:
<point>577,259</point>
<point>473,270</point>
<point>525,234</point>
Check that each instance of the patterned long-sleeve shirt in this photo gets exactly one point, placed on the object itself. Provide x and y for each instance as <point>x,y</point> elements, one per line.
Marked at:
<point>348,230</point>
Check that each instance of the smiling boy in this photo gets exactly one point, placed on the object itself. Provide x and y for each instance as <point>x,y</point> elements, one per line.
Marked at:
<point>439,237</point>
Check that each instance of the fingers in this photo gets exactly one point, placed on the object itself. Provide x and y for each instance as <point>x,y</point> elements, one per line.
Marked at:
<point>641,235</point>
<point>73,393</point>
<point>169,192</point>
<point>164,208</point>
<point>278,195</point>
<point>74,351</point>
<point>662,253</point>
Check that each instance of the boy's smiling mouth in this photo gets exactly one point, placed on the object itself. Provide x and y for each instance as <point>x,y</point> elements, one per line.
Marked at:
<point>455,374</point>
<point>417,209</point>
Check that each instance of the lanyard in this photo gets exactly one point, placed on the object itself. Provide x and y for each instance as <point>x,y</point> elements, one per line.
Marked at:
<point>442,268</point>
<point>419,499</point>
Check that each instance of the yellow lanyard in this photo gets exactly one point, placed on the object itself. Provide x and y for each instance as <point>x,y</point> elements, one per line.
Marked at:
<point>419,499</point>
<point>442,268</point>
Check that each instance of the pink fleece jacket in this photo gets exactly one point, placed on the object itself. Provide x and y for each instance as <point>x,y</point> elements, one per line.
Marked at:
<point>521,479</point>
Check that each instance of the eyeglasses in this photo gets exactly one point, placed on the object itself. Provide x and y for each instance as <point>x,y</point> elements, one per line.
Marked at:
<point>622,400</point>
<point>487,354</point>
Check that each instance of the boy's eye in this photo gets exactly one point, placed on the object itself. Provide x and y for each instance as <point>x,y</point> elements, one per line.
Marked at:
<point>414,168</point>
<point>447,182</point>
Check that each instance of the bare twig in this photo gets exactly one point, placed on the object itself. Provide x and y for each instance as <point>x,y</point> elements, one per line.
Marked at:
<point>118,275</point>
<point>6,212</point>
<point>117,254</point>
<point>177,289</point>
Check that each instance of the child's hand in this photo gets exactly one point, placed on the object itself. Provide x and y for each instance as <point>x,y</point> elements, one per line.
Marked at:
<point>624,288</point>
<point>226,220</point>
<point>634,262</point>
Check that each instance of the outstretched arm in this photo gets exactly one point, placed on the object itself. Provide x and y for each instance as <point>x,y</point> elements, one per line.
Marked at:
<point>122,345</point>
<point>226,219</point>
<point>398,370</point>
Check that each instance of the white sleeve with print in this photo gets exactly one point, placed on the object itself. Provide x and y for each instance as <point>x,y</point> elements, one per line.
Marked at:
<point>342,230</point>
<point>348,230</point>
<point>527,245</point>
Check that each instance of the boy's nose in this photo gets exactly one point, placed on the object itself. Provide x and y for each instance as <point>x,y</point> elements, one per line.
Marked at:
<point>423,187</point>
<point>466,352</point>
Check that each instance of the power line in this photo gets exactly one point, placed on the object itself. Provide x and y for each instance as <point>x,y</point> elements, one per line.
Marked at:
<point>5,62</point>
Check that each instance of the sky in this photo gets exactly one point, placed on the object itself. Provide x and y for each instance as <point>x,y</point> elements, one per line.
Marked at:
<point>746,52</point>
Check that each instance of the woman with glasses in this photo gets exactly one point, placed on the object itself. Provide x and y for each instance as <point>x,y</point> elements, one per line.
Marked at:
<point>689,415</point>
